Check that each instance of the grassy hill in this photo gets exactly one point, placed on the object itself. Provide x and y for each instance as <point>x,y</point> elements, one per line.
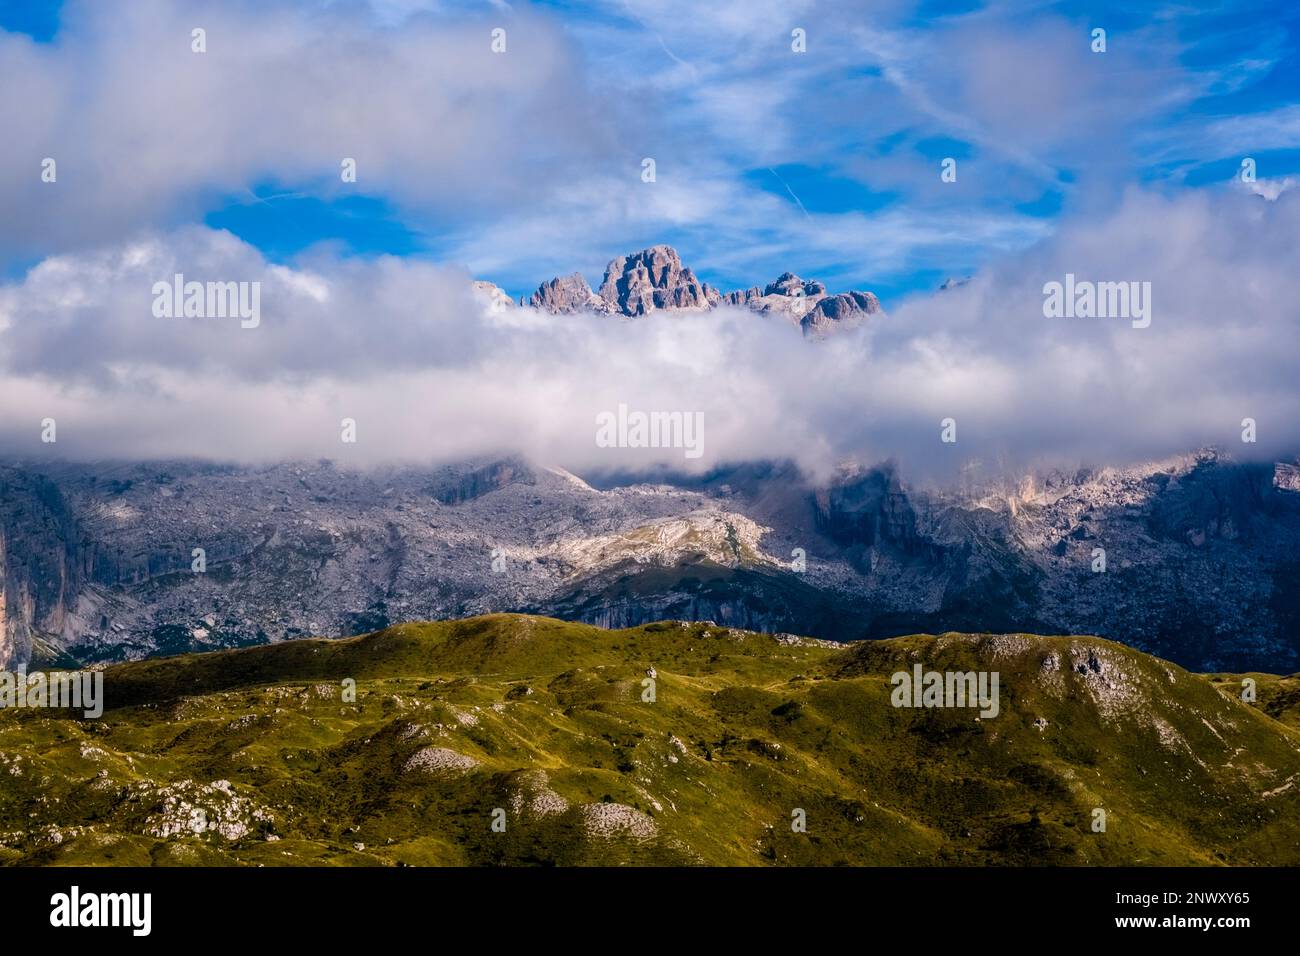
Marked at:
<point>257,756</point>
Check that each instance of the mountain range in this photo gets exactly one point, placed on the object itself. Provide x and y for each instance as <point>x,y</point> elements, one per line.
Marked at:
<point>655,280</point>
<point>98,561</point>
<point>1195,558</point>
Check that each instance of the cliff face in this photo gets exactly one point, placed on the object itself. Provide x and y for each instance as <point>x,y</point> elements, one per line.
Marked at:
<point>651,280</point>
<point>15,634</point>
<point>1202,555</point>
<point>39,564</point>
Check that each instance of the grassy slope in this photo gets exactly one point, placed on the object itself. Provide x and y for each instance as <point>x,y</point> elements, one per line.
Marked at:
<point>1279,697</point>
<point>744,730</point>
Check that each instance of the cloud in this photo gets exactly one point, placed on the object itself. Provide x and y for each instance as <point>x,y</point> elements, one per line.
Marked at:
<point>147,133</point>
<point>512,162</point>
<point>1270,189</point>
<point>431,374</point>
<point>524,165</point>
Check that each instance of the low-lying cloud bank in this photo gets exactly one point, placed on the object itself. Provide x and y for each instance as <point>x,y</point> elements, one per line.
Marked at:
<point>429,372</point>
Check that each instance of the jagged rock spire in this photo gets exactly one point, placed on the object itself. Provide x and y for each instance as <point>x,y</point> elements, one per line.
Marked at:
<point>655,279</point>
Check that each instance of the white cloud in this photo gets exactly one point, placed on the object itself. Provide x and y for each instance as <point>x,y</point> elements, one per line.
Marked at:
<point>144,130</point>
<point>429,373</point>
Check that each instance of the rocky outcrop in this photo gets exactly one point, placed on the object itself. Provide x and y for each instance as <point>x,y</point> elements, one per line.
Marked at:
<point>492,295</point>
<point>789,284</point>
<point>1200,565</point>
<point>40,573</point>
<point>848,310</point>
<point>566,295</point>
<point>655,280</point>
<point>789,296</point>
<point>466,484</point>
<point>868,510</point>
<point>742,296</point>
<point>806,303</point>
<point>651,280</point>
<point>1286,477</point>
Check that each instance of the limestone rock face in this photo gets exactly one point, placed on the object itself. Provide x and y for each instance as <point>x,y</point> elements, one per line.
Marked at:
<point>567,294</point>
<point>844,311</point>
<point>653,279</point>
<point>40,564</point>
<point>1286,476</point>
<point>95,560</point>
<point>789,296</point>
<point>742,296</point>
<point>493,295</point>
<point>789,284</point>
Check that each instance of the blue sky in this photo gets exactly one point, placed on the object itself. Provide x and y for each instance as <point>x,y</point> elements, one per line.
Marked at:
<point>825,162</point>
<point>38,19</point>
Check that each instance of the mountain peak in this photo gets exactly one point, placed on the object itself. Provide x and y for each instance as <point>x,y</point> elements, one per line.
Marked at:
<point>567,294</point>
<point>655,279</point>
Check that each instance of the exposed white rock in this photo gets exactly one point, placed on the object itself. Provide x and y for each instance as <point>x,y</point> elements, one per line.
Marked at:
<point>611,820</point>
<point>187,808</point>
<point>438,760</point>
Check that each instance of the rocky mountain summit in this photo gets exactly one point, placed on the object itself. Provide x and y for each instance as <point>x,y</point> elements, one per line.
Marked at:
<point>567,294</point>
<point>98,562</point>
<point>806,303</point>
<point>655,280</point>
<point>651,280</point>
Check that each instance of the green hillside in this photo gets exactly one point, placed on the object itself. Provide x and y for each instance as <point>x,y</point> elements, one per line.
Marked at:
<point>255,756</point>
